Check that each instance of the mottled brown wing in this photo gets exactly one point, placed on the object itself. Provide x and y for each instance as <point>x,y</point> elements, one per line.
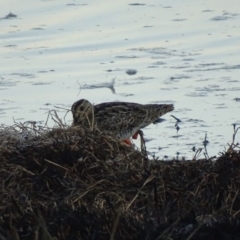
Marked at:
<point>119,115</point>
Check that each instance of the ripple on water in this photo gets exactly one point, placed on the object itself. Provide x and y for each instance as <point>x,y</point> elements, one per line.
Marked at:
<point>225,16</point>
<point>6,83</point>
<point>10,46</point>
<point>196,94</point>
<point>41,83</point>
<point>76,4</point>
<point>210,88</point>
<point>142,78</point>
<point>136,4</point>
<point>179,19</point>
<point>177,77</point>
<point>114,70</point>
<point>126,56</point>
<point>181,66</point>
<point>38,28</point>
<point>212,67</point>
<point>159,63</point>
<point>162,52</point>
<point>46,71</point>
<point>24,75</point>
<point>4,111</point>
<point>126,94</point>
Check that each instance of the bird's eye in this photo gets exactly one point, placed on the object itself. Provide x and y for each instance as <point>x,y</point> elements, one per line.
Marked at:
<point>81,108</point>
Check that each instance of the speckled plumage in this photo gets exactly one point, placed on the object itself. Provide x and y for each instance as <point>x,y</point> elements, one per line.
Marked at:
<point>119,119</point>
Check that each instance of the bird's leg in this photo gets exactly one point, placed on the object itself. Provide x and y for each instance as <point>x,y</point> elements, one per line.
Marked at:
<point>127,141</point>
<point>143,149</point>
<point>135,135</point>
<point>143,146</point>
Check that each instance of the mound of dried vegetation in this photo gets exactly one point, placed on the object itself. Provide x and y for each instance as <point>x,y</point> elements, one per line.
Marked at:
<point>73,183</point>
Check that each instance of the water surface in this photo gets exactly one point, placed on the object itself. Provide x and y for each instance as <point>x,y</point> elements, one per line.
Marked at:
<point>56,52</point>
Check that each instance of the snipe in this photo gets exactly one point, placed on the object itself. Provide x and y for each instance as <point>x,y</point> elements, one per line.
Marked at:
<point>121,120</point>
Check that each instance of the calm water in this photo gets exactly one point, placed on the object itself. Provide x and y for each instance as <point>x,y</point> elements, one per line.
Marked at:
<point>56,52</point>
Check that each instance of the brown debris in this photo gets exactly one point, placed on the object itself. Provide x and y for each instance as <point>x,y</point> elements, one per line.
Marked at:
<point>73,183</point>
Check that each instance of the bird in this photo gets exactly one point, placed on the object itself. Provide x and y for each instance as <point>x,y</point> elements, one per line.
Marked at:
<point>121,120</point>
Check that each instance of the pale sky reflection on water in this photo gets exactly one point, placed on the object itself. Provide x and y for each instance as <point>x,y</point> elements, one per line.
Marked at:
<point>184,53</point>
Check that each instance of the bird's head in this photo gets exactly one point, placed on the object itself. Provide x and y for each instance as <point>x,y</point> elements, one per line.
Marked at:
<point>82,112</point>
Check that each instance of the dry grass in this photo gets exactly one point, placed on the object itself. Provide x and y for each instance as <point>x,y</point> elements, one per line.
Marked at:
<point>74,183</point>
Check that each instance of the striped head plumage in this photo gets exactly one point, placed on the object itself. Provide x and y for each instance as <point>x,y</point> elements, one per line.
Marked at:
<point>82,112</point>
